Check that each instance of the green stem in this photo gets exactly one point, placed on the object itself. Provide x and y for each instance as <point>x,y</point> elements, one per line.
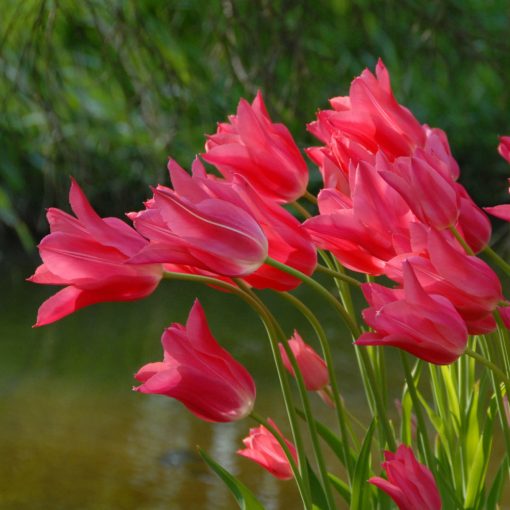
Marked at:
<point>301,210</point>
<point>303,394</point>
<point>502,264</point>
<point>462,241</point>
<point>337,275</point>
<point>417,409</point>
<point>491,366</point>
<point>335,393</point>
<point>320,289</point>
<point>311,198</point>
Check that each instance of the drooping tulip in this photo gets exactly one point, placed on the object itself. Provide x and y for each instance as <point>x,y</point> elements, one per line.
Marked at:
<point>312,367</point>
<point>284,238</point>
<point>410,484</point>
<point>427,326</point>
<point>263,152</point>
<point>188,225</point>
<point>263,448</point>
<point>197,371</point>
<point>89,255</point>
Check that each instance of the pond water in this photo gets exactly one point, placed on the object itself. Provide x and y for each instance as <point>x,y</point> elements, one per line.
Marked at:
<point>74,436</point>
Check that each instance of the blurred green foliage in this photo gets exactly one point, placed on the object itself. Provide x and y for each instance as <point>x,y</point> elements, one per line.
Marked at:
<point>106,90</point>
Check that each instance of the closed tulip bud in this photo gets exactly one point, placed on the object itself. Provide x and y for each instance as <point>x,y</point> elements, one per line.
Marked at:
<point>198,372</point>
<point>263,448</point>
<point>90,256</point>
<point>410,484</point>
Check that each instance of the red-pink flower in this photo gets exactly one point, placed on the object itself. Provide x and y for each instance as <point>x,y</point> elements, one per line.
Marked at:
<point>366,229</point>
<point>312,367</point>
<point>199,373</point>
<point>263,448</point>
<point>504,147</point>
<point>261,151</point>
<point>89,255</point>
<point>430,193</point>
<point>466,281</point>
<point>410,484</point>
<point>285,240</point>
<point>189,225</point>
<point>427,326</point>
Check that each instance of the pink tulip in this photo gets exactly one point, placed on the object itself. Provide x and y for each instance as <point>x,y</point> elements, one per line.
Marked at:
<point>263,448</point>
<point>504,147</point>
<point>466,281</point>
<point>371,117</point>
<point>283,236</point>
<point>189,225</point>
<point>312,367</point>
<point>410,484</point>
<point>199,373</point>
<point>429,193</point>
<point>89,254</point>
<point>262,152</point>
<point>365,230</point>
<point>427,326</point>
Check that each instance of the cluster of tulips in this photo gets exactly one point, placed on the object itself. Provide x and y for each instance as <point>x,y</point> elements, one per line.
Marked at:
<point>390,206</point>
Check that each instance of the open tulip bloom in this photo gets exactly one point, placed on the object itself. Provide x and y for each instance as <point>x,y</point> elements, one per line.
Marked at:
<point>391,225</point>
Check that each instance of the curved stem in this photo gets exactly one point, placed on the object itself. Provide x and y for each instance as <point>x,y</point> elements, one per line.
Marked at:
<point>491,366</point>
<point>301,210</point>
<point>502,264</point>
<point>320,289</point>
<point>339,406</point>
<point>311,198</point>
<point>462,241</point>
<point>302,481</point>
<point>337,275</point>
<point>304,397</point>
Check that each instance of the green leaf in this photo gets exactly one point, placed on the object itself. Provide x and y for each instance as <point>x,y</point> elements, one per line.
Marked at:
<point>360,487</point>
<point>341,487</point>
<point>318,496</point>
<point>244,497</point>
<point>332,440</point>
<point>497,486</point>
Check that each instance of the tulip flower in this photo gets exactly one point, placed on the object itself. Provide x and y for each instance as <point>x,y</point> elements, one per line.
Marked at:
<point>371,117</point>
<point>279,234</point>
<point>312,367</point>
<point>504,147</point>
<point>466,281</point>
<point>187,225</point>
<point>264,153</point>
<point>367,229</point>
<point>263,448</point>
<point>410,484</point>
<point>423,187</point>
<point>198,372</point>
<point>89,255</point>
<point>427,326</point>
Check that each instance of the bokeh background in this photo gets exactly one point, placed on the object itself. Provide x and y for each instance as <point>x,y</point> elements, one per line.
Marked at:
<point>106,91</point>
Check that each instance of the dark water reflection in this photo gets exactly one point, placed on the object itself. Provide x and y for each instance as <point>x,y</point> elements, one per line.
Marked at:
<point>74,436</point>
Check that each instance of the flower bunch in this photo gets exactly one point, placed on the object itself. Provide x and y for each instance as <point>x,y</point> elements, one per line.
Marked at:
<point>392,224</point>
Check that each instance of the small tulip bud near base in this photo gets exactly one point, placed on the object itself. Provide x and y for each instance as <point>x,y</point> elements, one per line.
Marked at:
<point>410,484</point>
<point>263,448</point>
<point>199,373</point>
